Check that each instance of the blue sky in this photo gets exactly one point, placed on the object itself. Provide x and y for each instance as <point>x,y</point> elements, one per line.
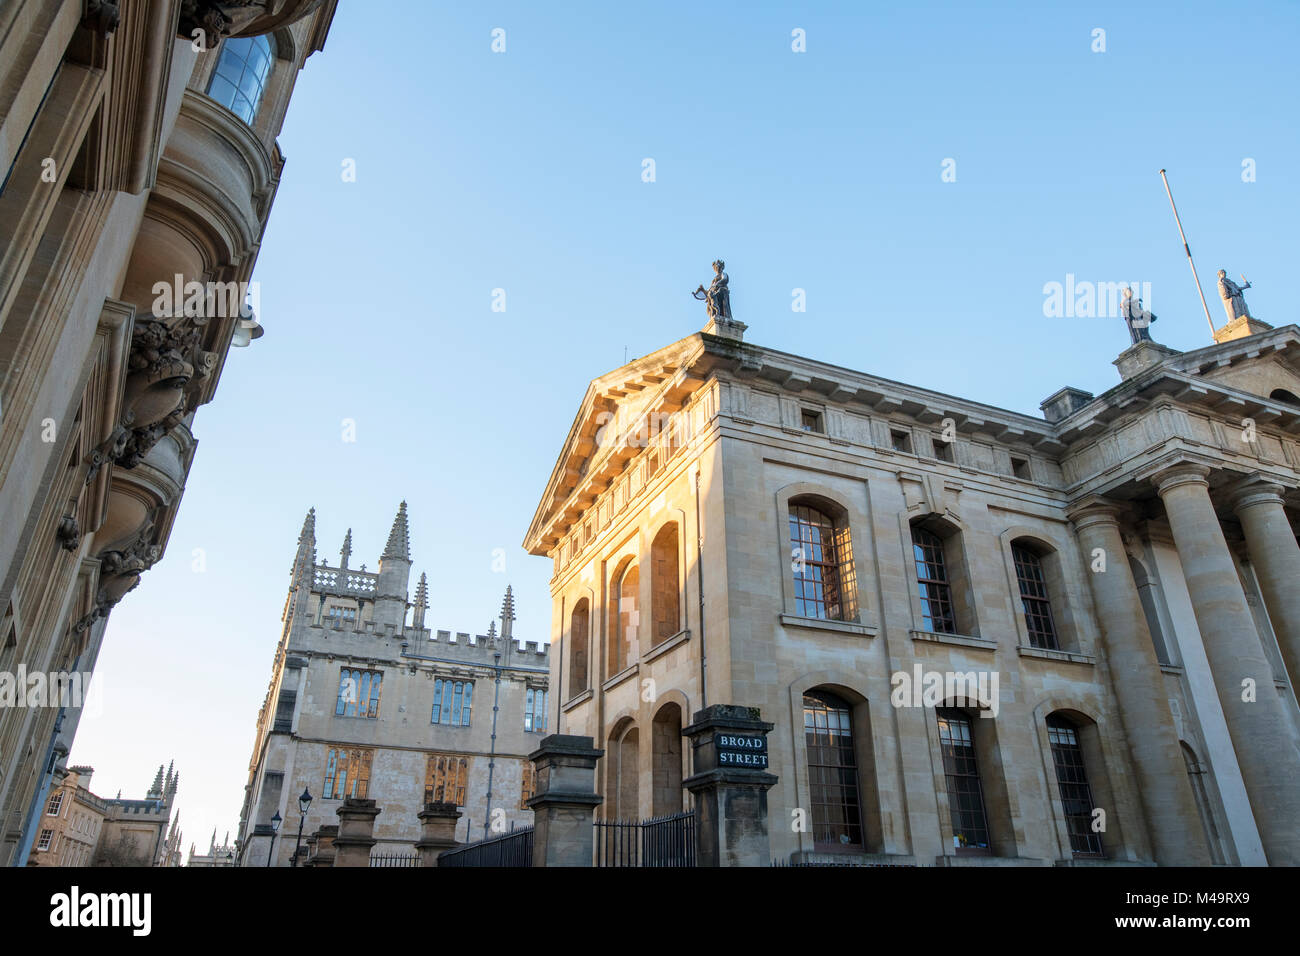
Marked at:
<point>522,171</point>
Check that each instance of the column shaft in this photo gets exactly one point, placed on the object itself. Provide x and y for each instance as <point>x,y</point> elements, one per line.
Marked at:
<point>1270,764</point>
<point>1275,556</point>
<point>1168,805</point>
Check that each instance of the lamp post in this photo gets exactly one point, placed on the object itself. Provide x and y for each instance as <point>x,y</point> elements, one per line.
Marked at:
<point>275,828</point>
<point>304,803</point>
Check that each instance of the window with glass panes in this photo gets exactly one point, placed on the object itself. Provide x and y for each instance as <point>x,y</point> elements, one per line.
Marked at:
<point>453,702</point>
<point>243,65</point>
<point>358,693</point>
<point>932,580</point>
<point>44,842</point>
<point>56,804</point>
<point>832,772</point>
<point>347,773</point>
<point>970,826</point>
<point>535,709</point>
<point>1033,598</point>
<point>816,565</point>
<point>444,779</point>
<point>1072,780</point>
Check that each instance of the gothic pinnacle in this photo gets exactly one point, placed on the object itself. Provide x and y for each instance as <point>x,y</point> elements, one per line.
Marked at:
<point>399,539</point>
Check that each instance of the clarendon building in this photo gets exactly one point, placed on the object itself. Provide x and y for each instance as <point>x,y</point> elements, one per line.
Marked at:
<point>982,637</point>
<point>364,703</point>
<point>138,166</point>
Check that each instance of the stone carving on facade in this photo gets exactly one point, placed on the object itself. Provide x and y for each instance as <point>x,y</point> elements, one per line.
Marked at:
<point>218,18</point>
<point>1234,303</point>
<point>120,568</point>
<point>69,533</point>
<point>717,297</point>
<point>102,16</point>
<point>166,366</point>
<point>1137,317</point>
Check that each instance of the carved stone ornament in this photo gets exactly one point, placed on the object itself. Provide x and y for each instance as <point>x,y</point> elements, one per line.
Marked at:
<point>166,366</point>
<point>120,569</point>
<point>69,533</point>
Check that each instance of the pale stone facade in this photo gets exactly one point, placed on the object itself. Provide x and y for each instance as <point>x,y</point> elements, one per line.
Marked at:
<point>127,159</point>
<point>316,732</point>
<point>1156,515</point>
<point>144,832</point>
<point>70,826</point>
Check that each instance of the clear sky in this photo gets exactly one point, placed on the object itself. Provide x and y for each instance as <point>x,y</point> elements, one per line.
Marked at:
<point>523,171</point>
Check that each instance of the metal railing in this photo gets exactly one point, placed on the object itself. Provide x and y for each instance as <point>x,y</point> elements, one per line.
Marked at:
<point>659,841</point>
<point>395,859</point>
<point>513,849</point>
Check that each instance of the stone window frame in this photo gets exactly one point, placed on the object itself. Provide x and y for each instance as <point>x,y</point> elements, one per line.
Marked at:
<point>1095,738</point>
<point>839,508</point>
<point>1059,562</point>
<point>865,747</point>
<point>1001,800</point>
<point>651,638</point>
<point>954,533</point>
<point>572,690</point>
<point>277,86</point>
<point>612,567</point>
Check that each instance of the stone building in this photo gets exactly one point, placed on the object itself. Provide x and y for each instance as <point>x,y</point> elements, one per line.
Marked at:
<point>363,703</point>
<point>69,829</point>
<point>138,166</point>
<point>983,637</point>
<point>218,854</point>
<point>142,832</point>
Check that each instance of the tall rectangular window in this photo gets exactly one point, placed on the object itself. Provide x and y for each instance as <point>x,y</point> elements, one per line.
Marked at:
<point>832,772</point>
<point>453,702</point>
<point>816,563</point>
<point>1076,795</point>
<point>970,826</point>
<point>445,776</point>
<point>535,709</point>
<point>358,693</point>
<point>1034,599</point>
<point>347,773</point>
<point>932,579</point>
<point>56,803</point>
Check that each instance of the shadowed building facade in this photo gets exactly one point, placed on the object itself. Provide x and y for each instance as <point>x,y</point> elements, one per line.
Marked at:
<point>983,637</point>
<point>366,703</point>
<point>138,166</point>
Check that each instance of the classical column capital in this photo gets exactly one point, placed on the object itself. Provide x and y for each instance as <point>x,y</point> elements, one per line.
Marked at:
<point>1094,509</point>
<point>1255,489</point>
<point>1179,474</point>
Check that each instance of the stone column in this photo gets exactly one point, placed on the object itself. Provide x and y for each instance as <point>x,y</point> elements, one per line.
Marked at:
<point>730,786</point>
<point>1168,804</point>
<point>437,831</point>
<point>1275,556</point>
<point>566,800</point>
<point>1270,765</point>
<point>356,832</point>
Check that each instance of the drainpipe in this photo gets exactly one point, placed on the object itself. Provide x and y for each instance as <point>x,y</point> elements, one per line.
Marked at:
<point>492,756</point>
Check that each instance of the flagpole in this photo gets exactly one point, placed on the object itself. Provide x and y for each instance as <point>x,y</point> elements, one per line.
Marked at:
<point>1188,250</point>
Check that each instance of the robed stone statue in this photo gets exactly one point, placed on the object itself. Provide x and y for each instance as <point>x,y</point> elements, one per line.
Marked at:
<point>717,297</point>
<point>1139,319</point>
<point>1234,303</point>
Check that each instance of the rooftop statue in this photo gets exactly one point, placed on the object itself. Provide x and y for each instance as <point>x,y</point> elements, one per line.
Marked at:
<point>1234,303</point>
<point>1139,319</point>
<point>717,297</point>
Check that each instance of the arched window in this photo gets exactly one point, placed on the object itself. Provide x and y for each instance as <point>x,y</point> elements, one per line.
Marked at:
<point>1282,395</point>
<point>832,772</point>
<point>822,561</point>
<point>666,761</point>
<point>1148,597</point>
<point>578,631</point>
<point>240,77</point>
<point>932,579</point>
<point>1072,779</point>
<point>624,618</point>
<point>1034,598</point>
<point>970,824</point>
<point>1196,776</point>
<point>664,592</point>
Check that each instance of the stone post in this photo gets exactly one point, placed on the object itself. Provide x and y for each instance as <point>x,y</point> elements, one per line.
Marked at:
<point>566,800</point>
<point>437,831</point>
<point>1275,556</point>
<point>1270,765</point>
<point>730,785</point>
<point>356,832</point>
<point>1163,789</point>
<point>323,845</point>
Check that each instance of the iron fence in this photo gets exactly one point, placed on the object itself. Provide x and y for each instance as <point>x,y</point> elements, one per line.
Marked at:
<point>395,859</point>
<point>659,841</point>
<point>513,849</point>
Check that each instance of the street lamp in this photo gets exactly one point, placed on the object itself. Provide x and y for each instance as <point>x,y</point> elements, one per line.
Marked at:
<point>304,803</point>
<point>275,828</point>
